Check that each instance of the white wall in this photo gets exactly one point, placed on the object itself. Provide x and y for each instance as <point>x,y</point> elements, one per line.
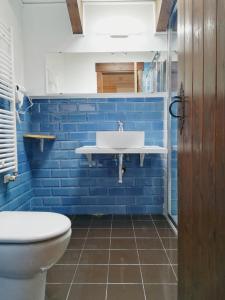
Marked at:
<point>11,14</point>
<point>47,29</point>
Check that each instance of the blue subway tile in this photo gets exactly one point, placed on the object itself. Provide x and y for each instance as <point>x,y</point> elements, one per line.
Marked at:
<point>50,182</point>
<point>63,182</point>
<point>42,192</point>
<point>68,107</point>
<point>60,173</point>
<point>70,191</point>
<point>68,164</point>
<point>52,201</point>
<point>69,127</point>
<point>125,107</point>
<point>98,191</point>
<point>87,107</point>
<point>106,107</point>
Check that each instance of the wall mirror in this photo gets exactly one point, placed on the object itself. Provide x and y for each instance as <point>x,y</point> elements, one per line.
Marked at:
<point>131,72</point>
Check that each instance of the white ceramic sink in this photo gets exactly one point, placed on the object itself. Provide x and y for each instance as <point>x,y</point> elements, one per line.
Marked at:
<point>120,139</point>
<point>120,143</point>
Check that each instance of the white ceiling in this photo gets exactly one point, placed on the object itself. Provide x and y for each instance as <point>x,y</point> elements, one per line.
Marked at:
<point>42,1</point>
<point>63,1</point>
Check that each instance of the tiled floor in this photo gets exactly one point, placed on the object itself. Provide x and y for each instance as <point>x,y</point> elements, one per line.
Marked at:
<point>117,258</point>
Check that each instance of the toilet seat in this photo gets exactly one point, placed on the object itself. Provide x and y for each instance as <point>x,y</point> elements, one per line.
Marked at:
<point>29,227</point>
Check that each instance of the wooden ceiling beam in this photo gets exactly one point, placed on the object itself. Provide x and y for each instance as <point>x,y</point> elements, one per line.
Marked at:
<point>163,10</point>
<point>75,9</point>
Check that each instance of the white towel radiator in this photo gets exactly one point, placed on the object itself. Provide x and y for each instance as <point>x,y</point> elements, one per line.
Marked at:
<point>8,139</point>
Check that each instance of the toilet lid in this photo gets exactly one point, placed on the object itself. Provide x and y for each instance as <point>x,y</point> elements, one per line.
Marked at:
<point>27,227</point>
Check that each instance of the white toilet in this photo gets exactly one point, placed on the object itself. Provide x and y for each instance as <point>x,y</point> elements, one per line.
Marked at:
<point>30,244</point>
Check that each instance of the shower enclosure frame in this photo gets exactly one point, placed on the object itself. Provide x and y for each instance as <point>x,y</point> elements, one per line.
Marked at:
<point>172,148</point>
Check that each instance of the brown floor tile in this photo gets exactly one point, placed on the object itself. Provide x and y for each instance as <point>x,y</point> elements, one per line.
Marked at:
<point>82,217</point>
<point>149,243</point>
<point>71,217</point>
<point>124,274</point>
<point>170,243</point>
<point>61,274</point>
<point>153,257</point>
<point>145,232</point>
<point>144,224</point>
<point>76,244</point>
<point>99,243</point>
<point>87,292</point>
<point>122,232</point>
<point>122,224</point>
<point>141,217</point>
<point>162,224</point>
<point>161,291</point>
<point>94,257</point>
<point>122,218</point>
<point>165,232</point>
<point>124,270</point>
<point>81,223</point>
<point>123,257</point>
<point>102,217</point>
<point>101,224</point>
<point>95,233</point>
<point>120,243</point>
<point>172,256</point>
<point>70,257</point>
<point>56,291</point>
<point>79,233</point>
<point>158,217</point>
<point>125,292</point>
<point>91,274</point>
<point>158,274</point>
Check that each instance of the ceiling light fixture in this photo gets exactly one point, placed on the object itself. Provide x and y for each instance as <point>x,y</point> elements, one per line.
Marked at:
<point>119,36</point>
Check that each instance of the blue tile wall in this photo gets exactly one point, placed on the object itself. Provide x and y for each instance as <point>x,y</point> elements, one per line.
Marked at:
<point>17,195</point>
<point>174,196</point>
<point>174,182</point>
<point>62,180</point>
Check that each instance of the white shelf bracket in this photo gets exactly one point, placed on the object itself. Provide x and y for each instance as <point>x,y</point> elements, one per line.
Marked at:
<point>90,161</point>
<point>142,158</point>
<point>42,145</point>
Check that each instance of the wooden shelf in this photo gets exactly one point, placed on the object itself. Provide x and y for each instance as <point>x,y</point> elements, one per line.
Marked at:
<point>41,137</point>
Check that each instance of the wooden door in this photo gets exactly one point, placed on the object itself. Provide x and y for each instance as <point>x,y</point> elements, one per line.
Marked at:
<point>201,154</point>
<point>119,77</point>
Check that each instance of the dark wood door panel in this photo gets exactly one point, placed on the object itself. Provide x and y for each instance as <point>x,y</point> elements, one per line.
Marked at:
<point>201,151</point>
<point>185,206</point>
<point>220,153</point>
<point>208,213</point>
<point>197,117</point>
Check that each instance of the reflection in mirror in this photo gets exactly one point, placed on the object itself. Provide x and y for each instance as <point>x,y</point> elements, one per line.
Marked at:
<point>74,73</point>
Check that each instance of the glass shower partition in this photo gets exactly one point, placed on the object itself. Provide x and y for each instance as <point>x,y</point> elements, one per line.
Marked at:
<point>172,87</point>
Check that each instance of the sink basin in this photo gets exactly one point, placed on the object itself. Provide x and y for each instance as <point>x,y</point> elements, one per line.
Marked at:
<point>120,139</point>
<point>120,143</point>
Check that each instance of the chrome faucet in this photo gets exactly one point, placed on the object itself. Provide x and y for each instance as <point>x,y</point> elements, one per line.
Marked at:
<point>120,125</point>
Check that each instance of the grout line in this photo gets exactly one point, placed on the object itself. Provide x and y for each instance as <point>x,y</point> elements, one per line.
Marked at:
<point>165,252</point>
<point>107,281</point>
<point>115,283</point>
<point>119,249</point>
<point>139,260</point>
<point>81,252</point>
<point>122,237</point>
<point>123,228</point>
<point>115,264</point>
